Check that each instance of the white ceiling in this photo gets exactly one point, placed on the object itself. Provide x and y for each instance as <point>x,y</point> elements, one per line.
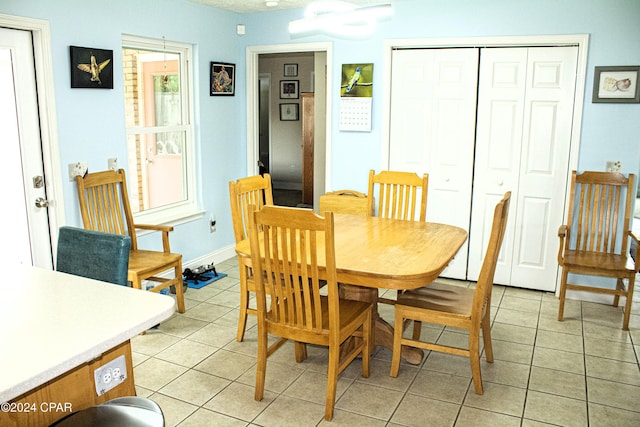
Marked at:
<point>249,6</point>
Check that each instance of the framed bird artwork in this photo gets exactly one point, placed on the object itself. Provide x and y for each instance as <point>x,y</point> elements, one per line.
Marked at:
<point>91,68</point>
<point>357,80</point>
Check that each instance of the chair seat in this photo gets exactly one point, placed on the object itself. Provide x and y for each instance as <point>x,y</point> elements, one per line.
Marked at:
<point>599,261</point>
<point>439,297</point>
<point>144,262</point>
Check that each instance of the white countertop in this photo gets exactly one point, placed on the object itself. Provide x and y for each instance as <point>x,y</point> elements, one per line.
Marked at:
<point>52,322</point>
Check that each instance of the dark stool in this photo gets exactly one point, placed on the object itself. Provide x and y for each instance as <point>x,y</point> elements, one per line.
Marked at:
<point>128,411</point>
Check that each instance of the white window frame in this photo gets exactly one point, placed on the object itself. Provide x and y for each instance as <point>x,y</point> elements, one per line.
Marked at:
<point>187,209</point>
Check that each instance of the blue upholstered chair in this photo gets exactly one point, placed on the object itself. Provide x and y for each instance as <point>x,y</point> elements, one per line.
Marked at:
<point>104,257</point>
<point>93,254</point>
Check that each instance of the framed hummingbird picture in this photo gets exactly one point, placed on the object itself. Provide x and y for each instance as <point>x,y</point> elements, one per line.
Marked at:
<point>91,68</point>
<point>357,80</point>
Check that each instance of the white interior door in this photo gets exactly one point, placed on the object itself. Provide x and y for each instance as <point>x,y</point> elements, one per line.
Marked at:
<point>23,174</point>
<point>433,109</point>
<point>497,159</point>
<point>525,111</point>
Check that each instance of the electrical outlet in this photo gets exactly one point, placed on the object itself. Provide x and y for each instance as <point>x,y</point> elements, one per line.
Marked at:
<point>78,168</point>
<point>112,163</point>
<point>212,224</point>
<point>116,372</point>
<point>614,166</point>
<point>110,375</point>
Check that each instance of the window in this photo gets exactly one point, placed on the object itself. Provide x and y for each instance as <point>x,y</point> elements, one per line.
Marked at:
<point>157,93</point>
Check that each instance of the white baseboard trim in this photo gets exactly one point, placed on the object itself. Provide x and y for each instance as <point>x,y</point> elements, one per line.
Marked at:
<point>215,257</point>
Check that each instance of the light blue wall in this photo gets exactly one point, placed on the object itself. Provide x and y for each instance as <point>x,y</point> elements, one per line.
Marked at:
<point>91,123</point>
<point>609,131</point>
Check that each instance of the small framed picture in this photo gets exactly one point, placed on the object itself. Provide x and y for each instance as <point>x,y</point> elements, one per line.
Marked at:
<point>289,112</point>
<point>91,68</point>
<point>289,89</point>
<point>223,81</point>
<point>616,84</point>
<point>291,70</point>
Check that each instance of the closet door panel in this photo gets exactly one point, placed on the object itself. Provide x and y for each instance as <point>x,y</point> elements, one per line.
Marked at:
<point>504,132</point>
<point>537,127</point>
<point>501,91</point>
<point>433,106</point>
<point>411,107</point>
<point>532,247</point>
<point>546,143</point>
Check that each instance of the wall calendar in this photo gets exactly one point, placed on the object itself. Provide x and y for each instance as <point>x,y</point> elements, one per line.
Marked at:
<point>356,90</point>
<point>355,114</point>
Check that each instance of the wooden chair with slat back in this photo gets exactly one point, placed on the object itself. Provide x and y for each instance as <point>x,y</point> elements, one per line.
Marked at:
<point>256,191</point>
<point>401,195</point>
<point>104,206</point>
<point>285,256</point>
<point>595,240</point>
<point>456,306</point>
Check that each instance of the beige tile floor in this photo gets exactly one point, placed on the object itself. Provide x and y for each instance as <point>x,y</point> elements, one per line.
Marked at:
<point>583,371</point>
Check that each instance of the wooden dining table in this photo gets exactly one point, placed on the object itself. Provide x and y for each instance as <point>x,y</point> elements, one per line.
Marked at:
<point>377,253</point>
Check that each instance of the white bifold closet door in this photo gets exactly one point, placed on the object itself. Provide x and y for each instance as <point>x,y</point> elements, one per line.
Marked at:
<point>519,141</point>
<point>433,111</point>
<point>525,113</point>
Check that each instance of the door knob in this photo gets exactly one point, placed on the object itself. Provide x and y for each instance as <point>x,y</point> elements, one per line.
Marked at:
<point>42,203</point>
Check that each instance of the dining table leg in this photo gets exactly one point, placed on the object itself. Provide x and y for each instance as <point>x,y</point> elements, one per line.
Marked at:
<point>382,331</point>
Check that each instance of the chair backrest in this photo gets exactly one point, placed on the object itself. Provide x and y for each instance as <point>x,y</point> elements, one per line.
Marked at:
<point>600,211</point>
<point>484,286</point>
<point>288,257</point>
<point>400,195</point>
<point>252,190</point>
<point>104,203</point>
<point>93,254</point>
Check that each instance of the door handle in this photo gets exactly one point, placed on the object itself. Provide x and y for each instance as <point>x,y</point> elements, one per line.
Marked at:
<point>42,203</point>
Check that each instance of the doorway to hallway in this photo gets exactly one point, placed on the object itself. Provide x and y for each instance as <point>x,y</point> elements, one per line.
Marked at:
<point>277,149</point>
